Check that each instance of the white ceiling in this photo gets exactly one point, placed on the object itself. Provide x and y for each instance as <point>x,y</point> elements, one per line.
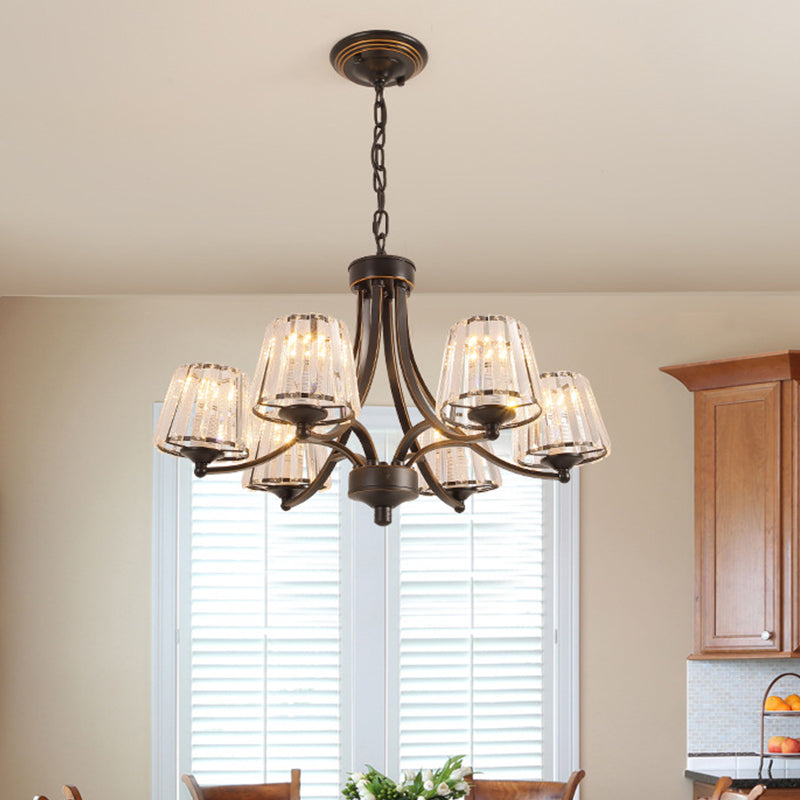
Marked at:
<point>161,146</point>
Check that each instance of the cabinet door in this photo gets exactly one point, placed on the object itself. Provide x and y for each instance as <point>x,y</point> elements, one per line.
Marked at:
<point>738,520</point>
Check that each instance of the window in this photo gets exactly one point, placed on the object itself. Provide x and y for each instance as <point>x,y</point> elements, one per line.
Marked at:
<point>260,670</point>
<point>314,639</point>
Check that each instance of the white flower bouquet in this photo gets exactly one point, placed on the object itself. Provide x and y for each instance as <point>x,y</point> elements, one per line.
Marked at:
<point>447,782</point>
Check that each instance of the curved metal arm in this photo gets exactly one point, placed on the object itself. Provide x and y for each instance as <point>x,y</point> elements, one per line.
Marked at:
<point>242,465</point>
<point>355,459</point>
<point>337,433</point>
<point>325,472</point>
<point>410,376</point>
<point>370,453</point>
<point>489,456</point>
<point>390,352</point>
<point>429,448</point>
<point>366,352</point>
<point>333,459</point>
<point>531,472</point>
<point>408,440</point>
<point>368,355</point>
<point>359,329</point>
<point>340,451</point>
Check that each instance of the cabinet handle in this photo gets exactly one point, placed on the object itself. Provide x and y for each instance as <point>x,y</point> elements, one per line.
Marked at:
<point>766,635</point>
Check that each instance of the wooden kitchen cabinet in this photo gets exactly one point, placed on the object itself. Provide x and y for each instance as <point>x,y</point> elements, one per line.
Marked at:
<point>747,588</point>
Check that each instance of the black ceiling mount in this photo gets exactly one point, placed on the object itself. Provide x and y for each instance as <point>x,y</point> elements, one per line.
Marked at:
<point>372,56</point>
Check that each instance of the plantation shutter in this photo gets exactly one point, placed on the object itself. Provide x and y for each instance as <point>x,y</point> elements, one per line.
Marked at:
<point>469,646</point>
<point>265,638</point>
<point>268,643</point>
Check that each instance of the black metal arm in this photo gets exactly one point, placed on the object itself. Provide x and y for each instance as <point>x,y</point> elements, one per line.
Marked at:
<point>390,353</point>
<point>418,393</point>
<point>368,353</point>
<point>242,465</point>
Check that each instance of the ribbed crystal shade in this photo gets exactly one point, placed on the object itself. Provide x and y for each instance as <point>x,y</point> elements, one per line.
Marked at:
<point>297,467</point>
<point>204,407</point>
<point>488,361</point>
<point>306,359</point>
<point>458,467</point>
<point>570,423</point>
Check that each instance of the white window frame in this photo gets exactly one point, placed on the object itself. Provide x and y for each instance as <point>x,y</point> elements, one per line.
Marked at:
<point>363,711</point>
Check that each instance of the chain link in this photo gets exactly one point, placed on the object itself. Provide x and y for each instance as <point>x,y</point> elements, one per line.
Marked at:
<point>380,219</point>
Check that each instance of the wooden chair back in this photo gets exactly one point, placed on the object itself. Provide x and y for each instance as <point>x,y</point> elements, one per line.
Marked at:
<point>723,791</point>
<point>755,792</point>
<point>248,791</point>
<point>526,790</point>
<point>723,784</point>
<point>70,793</point>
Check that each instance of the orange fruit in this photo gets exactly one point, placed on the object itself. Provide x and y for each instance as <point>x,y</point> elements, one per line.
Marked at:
<point>775,703</point>
<point>795,706</point>
<point>791,699</point>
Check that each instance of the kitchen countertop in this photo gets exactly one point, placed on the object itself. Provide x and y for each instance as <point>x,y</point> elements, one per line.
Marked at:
<point>745,779</point>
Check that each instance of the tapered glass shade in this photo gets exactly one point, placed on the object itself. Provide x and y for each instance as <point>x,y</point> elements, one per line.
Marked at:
<point>488,364</point>
<point>458,467</point>
<point>570,424</point>
<point>295,468</point>
<point>306,361</point>
<point>205,408</point>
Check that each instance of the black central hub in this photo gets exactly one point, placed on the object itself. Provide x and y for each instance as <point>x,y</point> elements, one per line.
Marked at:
<point>387,267</point>
<point>383,487</point>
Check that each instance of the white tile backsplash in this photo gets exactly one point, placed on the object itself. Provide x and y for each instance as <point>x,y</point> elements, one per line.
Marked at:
<point>747,763</point>
<point>713,764</point>
<point>723,700</point>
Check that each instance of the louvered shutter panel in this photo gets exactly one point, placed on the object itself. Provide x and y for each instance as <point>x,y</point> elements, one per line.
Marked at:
<point>469,632</point>
<point>265,637</point>
<point>469,644</point>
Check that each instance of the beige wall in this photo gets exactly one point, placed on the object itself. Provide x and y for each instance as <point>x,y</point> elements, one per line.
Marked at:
<point>79,377</point>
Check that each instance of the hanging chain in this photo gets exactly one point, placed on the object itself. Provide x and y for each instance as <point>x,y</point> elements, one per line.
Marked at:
<point>380,219</point>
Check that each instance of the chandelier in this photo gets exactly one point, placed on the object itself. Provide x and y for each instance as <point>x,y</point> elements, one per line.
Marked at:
<point>289,428</point>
